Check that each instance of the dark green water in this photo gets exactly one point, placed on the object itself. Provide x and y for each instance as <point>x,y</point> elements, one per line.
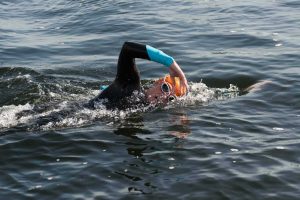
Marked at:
<point>217,143</point>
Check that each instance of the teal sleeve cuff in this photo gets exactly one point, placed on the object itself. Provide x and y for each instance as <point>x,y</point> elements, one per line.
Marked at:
<point>103,87</point>
<point>159,56</point>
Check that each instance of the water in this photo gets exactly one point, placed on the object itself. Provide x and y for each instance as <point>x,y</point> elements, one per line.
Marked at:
<point>217,143</point>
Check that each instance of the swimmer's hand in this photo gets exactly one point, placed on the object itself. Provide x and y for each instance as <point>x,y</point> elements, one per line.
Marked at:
<point>175,70</point>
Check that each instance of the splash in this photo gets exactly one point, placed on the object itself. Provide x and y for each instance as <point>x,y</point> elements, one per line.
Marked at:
<point>58,102</point>
<point>8,115</point>
<point>201,94</point>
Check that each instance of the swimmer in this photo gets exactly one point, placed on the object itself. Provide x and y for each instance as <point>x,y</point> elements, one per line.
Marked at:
<point>127,81</point>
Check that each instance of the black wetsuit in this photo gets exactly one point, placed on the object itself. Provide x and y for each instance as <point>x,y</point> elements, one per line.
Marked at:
<point>128,78</point>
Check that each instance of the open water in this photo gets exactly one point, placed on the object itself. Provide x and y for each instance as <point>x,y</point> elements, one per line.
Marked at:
<point>219,142</point>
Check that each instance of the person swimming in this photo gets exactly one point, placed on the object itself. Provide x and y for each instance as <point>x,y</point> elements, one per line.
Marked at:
<point>127,81</point>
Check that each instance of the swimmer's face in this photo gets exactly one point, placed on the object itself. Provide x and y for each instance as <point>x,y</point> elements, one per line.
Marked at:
<point>160,92</point>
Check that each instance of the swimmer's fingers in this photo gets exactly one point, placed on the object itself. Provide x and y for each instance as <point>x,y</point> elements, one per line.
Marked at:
<point>186,86</point>
<point>175,71</point>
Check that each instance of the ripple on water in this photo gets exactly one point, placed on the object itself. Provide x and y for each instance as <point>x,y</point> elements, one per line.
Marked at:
<point>219,142</point>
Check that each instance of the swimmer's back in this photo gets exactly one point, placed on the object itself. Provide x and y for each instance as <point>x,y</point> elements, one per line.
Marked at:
<point>115,95</point>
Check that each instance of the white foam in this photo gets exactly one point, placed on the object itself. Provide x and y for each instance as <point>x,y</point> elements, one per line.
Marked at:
<point>85,116</point>
<point>26,76</point>
<point>199,93</point>
<point>8,115</point>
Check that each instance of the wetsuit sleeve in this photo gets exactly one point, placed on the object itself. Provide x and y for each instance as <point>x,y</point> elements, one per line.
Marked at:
<point>159,56</point>
<point>127,70</point>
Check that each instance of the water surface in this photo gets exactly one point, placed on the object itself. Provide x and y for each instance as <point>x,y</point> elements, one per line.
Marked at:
<point>217,143</point>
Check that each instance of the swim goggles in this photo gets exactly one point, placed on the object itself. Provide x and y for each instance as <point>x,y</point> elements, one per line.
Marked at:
<point>177,88</point>
<point>166,88</point>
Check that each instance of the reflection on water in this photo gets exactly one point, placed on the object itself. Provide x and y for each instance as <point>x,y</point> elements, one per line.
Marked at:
<point>179,126</point>
<point>146,148</point>
<point>133,126</point>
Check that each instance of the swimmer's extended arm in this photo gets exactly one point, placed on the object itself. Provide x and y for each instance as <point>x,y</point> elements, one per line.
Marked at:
<point>127,71</point>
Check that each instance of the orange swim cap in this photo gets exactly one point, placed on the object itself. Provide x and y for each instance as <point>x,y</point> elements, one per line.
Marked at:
<point>175,83</point>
